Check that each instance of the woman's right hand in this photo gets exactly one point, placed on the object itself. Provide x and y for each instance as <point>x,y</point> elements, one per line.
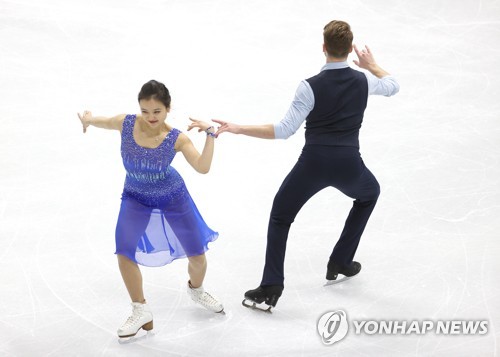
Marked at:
<point>85,119</point>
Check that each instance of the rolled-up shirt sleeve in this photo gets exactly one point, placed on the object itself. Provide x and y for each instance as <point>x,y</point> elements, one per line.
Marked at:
<point>387,86</point>
<point>302,104</point>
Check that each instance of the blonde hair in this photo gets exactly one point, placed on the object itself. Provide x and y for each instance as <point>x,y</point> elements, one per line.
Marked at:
<point>338,37</point>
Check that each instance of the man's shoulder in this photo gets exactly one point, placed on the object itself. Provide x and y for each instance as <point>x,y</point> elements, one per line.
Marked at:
<point>336,73</point>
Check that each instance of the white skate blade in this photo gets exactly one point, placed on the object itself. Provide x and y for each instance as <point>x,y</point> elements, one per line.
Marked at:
<point>135,338</point>
<point>255,306</point>
<point>333,282</point>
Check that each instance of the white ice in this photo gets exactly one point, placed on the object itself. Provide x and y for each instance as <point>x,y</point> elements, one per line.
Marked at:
<point>430,251</point>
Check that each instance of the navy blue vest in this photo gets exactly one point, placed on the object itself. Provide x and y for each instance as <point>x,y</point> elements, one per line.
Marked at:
<point>340,98</point>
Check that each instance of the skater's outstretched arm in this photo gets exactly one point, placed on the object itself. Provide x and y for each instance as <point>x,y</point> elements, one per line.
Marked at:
<point>380,82</point>
<point>257,131</point>
<point>298,111</point>
<point>201,163</point>
<point>113,123</point>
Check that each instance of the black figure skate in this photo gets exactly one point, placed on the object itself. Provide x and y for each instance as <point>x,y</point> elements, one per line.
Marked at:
<point>268,295</point>
<point>333,270</point>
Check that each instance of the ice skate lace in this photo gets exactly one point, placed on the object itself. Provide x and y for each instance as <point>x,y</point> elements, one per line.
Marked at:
<point>208,300</point>
<point>132,320</point>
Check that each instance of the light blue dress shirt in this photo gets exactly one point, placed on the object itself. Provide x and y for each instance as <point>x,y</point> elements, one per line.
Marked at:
<point>303,102</point>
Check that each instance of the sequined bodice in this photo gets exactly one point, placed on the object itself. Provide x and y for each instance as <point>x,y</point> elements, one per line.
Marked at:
<point>150,178</point>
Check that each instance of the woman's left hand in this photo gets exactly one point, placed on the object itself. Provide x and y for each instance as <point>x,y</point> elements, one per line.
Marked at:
<point>201,125</point>
<point>85,119</point>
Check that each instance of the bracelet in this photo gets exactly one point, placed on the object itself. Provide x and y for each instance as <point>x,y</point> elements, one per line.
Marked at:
<point>209,132</point>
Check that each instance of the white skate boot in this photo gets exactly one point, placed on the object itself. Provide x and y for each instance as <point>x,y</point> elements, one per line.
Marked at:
<point>200,296</point>
<point>141,318</point>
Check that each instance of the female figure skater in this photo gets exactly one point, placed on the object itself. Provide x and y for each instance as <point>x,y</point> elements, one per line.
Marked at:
<point>158,221</point>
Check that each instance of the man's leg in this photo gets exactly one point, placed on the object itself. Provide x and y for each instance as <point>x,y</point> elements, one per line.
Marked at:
<point>303,182</point>
<point>366,191</point>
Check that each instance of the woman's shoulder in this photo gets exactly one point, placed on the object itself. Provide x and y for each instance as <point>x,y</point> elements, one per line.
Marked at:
<point>180,138</point>
<point>178,135</point>
<point>125,120</point>
<point>126,117</point>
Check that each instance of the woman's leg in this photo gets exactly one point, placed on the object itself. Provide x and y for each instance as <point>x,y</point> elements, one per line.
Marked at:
<point>132,278</point>
<point>197,268</point>
<point>131,226</point>
<point>141,314</point>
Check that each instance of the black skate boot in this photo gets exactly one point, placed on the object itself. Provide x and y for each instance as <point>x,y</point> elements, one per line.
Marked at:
<point>268,295</point>
<point>333,270</point>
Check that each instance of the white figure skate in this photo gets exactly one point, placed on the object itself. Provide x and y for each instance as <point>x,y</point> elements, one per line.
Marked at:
<point>200,296</point>
<point>141,318</point>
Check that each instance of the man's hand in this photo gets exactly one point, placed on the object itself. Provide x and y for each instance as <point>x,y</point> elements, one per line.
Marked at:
<point>366,61</point>
<point>226,127</point>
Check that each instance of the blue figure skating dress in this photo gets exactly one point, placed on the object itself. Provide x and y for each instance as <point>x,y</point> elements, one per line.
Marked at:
<point>158,220</point>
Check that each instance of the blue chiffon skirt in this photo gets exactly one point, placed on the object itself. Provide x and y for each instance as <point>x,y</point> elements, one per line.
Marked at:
<point>157,236</point>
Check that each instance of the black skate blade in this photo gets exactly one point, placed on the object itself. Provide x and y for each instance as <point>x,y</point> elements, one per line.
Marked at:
<point>337,281</point>
<point>255,306</point>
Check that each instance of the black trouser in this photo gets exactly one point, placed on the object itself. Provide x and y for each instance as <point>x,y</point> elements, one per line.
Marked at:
<point>319,167</point>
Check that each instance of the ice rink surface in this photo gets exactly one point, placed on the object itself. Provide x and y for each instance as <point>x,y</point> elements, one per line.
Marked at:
<point>430,251</point>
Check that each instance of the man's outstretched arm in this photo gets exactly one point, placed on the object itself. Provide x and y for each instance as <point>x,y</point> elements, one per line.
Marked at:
<point>300,108</point>
<point>265,131</point>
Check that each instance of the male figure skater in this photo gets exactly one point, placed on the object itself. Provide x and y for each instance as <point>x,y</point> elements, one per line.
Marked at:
<point>332,103</point>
